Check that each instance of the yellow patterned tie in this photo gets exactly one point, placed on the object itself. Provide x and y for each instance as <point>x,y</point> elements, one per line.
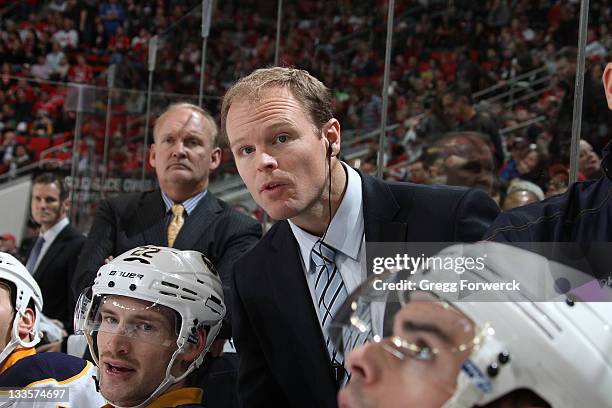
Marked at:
<point>176,223</point>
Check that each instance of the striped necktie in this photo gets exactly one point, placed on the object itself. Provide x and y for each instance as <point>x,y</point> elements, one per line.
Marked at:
<point>176,223</point>
<point>330,293</point>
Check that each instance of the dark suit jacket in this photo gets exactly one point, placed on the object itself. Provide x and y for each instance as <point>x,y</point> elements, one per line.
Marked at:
<point>55,272</point>
<point>283,358</point>
<point>573,228</point>
<point>582,214</point>
<point>131,220</point>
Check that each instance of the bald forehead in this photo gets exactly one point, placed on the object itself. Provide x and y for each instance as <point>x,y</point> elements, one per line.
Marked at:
<point>186,117</point>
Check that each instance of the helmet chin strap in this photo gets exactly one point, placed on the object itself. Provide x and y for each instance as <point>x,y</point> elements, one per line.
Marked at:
<point>8,349</point>
<point>168,380</point>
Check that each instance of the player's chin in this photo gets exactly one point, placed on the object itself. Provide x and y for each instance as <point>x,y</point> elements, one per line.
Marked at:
<point>116,397</point>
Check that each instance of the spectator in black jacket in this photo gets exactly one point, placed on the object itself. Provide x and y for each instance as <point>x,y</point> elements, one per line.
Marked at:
<point>457,102</point>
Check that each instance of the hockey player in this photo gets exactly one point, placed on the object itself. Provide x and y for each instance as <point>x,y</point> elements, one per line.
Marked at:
<point>541,344</point>
<point>29,379</point>
<point>149,318</point>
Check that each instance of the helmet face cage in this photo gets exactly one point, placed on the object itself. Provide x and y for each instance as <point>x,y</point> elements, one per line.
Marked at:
<point>27,291</point>
<point>161,279</point>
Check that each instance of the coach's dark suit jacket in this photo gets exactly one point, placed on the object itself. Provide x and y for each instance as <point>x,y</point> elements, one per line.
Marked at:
<point>54,273</point>
<point>283,358</point>
<point>131,220</point>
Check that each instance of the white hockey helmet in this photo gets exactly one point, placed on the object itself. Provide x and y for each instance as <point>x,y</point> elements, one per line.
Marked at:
<point>183,281</point>
<point>26,290</point>
<point>556,348</point>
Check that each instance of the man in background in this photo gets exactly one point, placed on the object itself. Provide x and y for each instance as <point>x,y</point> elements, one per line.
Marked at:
<point>182,214</point>
<point>53,255</point>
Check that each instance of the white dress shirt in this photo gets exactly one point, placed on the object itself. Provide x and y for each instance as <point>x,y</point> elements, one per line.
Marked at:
<point>346,235</point>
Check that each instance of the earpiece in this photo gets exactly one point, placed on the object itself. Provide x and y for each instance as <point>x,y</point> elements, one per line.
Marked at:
<point>329,150</point>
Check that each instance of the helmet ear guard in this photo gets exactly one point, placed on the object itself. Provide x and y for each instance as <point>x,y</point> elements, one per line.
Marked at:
<point>27,292</point>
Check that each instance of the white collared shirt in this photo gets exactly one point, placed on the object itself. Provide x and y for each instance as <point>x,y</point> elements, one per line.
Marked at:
<point>346,235</point>
<point>49,237</point>
<point>189,204</point>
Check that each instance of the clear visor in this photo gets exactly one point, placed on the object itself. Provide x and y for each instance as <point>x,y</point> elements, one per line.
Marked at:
<point>417,336</point>
<point>426,328</point>
<point>131,318</point>
<point>420,327</point>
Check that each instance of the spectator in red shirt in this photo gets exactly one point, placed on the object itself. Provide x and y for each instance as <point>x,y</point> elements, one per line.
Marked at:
<point>119,41</point>
<point>81,72</point>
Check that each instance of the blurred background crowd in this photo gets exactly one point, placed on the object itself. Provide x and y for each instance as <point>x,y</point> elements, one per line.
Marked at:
<point>481,93</point>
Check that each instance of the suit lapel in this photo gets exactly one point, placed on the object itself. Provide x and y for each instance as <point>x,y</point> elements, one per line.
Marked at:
<point>380,212</point>
<point>196,223</point>
<point>150,220</point>
<point>56,248</point>
<point>293,298</point>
